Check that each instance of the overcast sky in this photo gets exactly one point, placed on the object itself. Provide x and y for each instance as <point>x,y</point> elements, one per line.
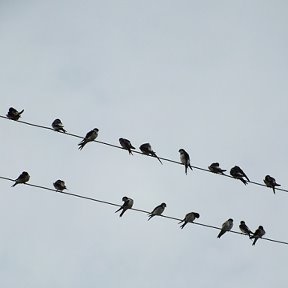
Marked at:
<point>206,76</point>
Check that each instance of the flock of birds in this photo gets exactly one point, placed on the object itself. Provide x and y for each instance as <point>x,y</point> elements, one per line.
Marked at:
<point>236,172</point>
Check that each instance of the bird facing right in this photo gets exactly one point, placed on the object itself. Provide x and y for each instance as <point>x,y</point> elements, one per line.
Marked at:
<point>157,210</point>
<point>128,203</point>
<point>23,178</point>
<point>90,136</point>
<point>226,226</point>
<point>189,218</point>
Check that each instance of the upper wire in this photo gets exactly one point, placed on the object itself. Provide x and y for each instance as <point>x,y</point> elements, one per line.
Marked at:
<point>135,151</point>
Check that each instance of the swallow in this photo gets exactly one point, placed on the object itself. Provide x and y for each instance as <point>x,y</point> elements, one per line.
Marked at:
<point>215,168</point>
<point>23,178</point>
<point>157,210</point>
<point>126,144</point>
<point>13,114</point>
<point>238,173</point>
<point>128,203</point>
<point>271,182</point>
<point>185,159</point>
<point>58,126</point>
<point>226,226</point>
<point>190,217</point>
<point>59,185</point>
<point>147,149</point>
<point>259,233</point>
<point>244,228</point>
<point>90,136</point>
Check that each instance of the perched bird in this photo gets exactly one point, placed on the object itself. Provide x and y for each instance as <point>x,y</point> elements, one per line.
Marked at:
<point>90,136</point>
<point>58,126</point>
<point>226,226</point>
<point>259,233</point>
<point>271,182</point>
<point>244,228</point>
<point>157,210</point>
<point>23,178</point>
<point>238,173</point>
<point>185,159</point>
<point>59,185</point>
<point>215,168</point>
<point>190,217</point>
<point>128,203</point>
<point>147,149</point>
<point>126,144</point>
<point>13,114</point>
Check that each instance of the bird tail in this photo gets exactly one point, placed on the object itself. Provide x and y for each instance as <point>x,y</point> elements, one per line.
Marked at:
<point>118,210</point>
<point>14,184</point>
<point>21,112</point>
<point>186,169</point>
<point>220,234</point>
<point>150,216</point>
<point>190,167</point>
<point>81,144</point>
<point>130,152</point>
<point>121,214</point>
<point>254,242</point>
<point>183,225</point>
<point>243,181</point>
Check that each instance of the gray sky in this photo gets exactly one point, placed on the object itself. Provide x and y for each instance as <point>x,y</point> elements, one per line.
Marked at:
<point>206,76</point>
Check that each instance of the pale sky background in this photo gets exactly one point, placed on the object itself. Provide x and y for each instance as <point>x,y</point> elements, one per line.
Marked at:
<point>206,76</point>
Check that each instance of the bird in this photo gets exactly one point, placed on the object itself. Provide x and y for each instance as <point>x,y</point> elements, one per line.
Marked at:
<point>13,114</point>
<point>215,168</point>
<point>259,233</point>
<point>126,144</point>
<point>147,149</point>
<point>128,203</point>
<point>226,226</point>
<point>58,126</point>
<point>23,178</point>
<point>244,228</point>
<point>238,173</point>
<point>190,217</point>
<point>185,159</point>
<point>157,210</point>
<point>59,185</point>
<point>90,136</point>
<point>271,182</point>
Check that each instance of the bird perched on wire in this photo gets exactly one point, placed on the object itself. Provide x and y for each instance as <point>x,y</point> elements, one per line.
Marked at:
<point>59,185</point>
<point>126,144</point>
<point>185,159</point>
<point>271,182</point>
<point>189,218</point>
<point>147,149</point>
<point>128,203</point>
<point>244,228</point>
<point>58,126</point>
<point>13,114</point>
<point>215,168</point>
<point>23,178</point>
<point>238,173</point>
<point>226,226</point>
<point>90,136</point>
<point>259,233</point>
<point>157,210</point>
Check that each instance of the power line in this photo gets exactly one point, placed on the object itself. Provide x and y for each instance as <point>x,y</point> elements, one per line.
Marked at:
<point>134,209</point>
<point>135,151</point>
